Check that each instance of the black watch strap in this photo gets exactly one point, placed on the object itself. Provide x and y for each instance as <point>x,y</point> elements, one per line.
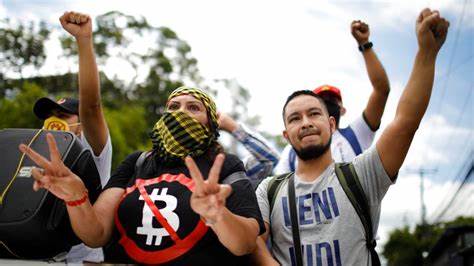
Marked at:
<point>365,46</point>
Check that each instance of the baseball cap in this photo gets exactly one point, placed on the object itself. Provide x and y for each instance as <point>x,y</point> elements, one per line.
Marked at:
<point>44,106</point>
<point>328,90</point>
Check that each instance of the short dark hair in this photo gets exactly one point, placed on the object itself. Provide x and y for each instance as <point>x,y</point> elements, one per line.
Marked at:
<point>299,93</point>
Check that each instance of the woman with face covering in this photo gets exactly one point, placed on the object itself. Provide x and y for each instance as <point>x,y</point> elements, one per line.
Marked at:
<point>183,203</point>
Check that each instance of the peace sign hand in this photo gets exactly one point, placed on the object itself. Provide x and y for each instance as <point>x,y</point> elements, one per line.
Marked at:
<point>208,198</point>
<point>54,175</point>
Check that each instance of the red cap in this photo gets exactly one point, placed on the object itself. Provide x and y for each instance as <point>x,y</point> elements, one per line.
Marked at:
<point>328,90</point>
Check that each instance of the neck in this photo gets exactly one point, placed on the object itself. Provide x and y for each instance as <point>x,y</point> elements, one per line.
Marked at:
<point>310,170</point>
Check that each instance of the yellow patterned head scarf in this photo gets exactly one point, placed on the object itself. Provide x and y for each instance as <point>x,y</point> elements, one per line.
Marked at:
<point>177,134</point>
<point>205,99</point>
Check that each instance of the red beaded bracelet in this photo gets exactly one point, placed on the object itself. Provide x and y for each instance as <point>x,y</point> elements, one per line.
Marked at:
<point>79,201</point>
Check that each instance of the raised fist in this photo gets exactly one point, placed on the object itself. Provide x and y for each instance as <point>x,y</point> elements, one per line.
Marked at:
<point>226,122</point>
<point>77,24</point>
<point>360,31</point>
<point>431,30</point>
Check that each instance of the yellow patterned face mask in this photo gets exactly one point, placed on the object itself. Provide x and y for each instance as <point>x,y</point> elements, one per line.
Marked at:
<point>56,123</point>
<point>177,135</point>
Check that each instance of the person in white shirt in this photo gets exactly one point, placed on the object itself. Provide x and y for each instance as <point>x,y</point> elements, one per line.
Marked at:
<point>348,142</point>
<point>330,230</point>
<point>85,118</point>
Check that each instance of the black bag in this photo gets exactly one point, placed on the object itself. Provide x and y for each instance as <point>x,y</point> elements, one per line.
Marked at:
<point>35,225</point>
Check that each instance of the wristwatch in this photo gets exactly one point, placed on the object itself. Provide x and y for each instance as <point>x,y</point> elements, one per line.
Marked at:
<point>365,46</point>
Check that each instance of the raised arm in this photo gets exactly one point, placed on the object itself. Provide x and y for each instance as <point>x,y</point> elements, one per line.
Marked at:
<point>90,107</point>
<point>92,224</point>
<point>264,157</point>
<point>378,77</point>
<point>393,145</point>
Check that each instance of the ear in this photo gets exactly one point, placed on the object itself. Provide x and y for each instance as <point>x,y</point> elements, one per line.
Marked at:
<point>343,110</point>
<point>332,124</point>
<point>285,135</point>
<point>78,130</point>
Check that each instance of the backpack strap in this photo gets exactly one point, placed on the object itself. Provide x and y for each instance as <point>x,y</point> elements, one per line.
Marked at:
<point>234,177</point>
<point>141,159</point>
<point>350,136</point>
<point>295,229</point>
<point>350,183</point>
<point>274,186</point>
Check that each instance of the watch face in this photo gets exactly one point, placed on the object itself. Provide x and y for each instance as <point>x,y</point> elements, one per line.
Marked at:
<point>365,46</point>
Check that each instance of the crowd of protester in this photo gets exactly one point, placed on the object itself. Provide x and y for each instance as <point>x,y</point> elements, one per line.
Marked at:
<point>187,201</point>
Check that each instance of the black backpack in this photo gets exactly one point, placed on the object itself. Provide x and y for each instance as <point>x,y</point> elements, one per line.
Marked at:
<point>350,183</point>
<point>35,225</point>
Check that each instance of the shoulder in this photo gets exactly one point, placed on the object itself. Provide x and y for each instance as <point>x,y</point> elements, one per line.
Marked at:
<point>124,172</point>
<point>232,164</point>
<point>133,156</point>
<point>129,161</point>
<point>231,158</point>
<point>263,186</point>
<point>368,164</point>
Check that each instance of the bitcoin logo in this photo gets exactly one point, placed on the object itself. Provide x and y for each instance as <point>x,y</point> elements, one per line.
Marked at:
<point>167,212</point>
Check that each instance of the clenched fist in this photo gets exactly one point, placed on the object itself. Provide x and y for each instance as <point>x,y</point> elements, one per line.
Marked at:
<point>360,31</point>
<point>77,24</point>
<point>431,31</point>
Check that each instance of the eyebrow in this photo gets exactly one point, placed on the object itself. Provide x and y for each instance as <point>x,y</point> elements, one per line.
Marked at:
<point>315,109</point>
<point>308,110</point>
<point>188,102</point>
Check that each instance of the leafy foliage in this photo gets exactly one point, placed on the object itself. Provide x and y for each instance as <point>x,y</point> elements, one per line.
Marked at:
<point>410,248</point>
<point>132,106</point>
<point>22,45</point>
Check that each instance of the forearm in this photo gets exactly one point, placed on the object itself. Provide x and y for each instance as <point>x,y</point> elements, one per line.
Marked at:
<point>415,98</point>
<point>256,147</point>
<point>261,255</point>
<point>90,109</point>
<point>87,225</point>
<point>89,90</point>
<point>238,234</point>
<point>410,110</point>
<point>377,75</point>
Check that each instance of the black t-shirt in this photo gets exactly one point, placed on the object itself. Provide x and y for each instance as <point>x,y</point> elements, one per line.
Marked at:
<point>179,237</point>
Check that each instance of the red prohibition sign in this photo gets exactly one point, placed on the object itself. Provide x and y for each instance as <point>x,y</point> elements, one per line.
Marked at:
<point>181,246</point>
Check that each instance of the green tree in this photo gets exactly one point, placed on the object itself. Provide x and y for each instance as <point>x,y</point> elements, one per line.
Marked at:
<point>167,65</point>
<point>131,106</point>
<point>128,130</point>
<point>410,248</point>
<point>22,46</point>
<point>16,110</point>
<point>402,248</point>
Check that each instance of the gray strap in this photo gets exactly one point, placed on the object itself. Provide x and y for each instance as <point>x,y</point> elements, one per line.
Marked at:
<point>234,177</point>
<point>139,162</point>
<point>295,229</point>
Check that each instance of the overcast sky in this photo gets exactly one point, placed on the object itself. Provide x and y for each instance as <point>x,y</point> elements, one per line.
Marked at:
<point>275,47</point>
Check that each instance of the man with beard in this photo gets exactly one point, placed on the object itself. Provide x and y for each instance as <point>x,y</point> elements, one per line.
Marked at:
<point>331,231</point>
<point>350,141</point>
